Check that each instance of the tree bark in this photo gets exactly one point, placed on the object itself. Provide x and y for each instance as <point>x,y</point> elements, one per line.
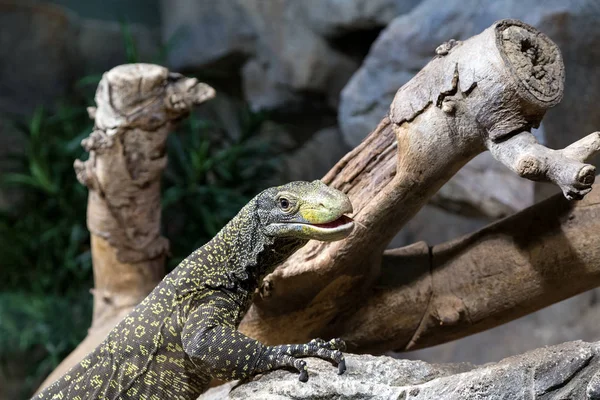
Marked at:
<point>137,106</point>
<point>430,295</point>
<point>484,93</point>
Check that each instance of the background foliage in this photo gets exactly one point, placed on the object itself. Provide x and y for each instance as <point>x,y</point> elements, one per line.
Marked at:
<point>46,274</point>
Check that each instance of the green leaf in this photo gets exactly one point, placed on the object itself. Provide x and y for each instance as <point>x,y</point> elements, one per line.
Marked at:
<point>131,54</point>
<point>41,176</point>
<point>16,179</point>
<point>35,125</point>
<point>89,80</point>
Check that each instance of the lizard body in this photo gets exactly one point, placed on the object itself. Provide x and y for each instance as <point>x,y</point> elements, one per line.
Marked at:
<point>184,332</point>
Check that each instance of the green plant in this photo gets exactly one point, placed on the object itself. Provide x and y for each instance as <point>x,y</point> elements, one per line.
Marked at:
<point>45,270</point>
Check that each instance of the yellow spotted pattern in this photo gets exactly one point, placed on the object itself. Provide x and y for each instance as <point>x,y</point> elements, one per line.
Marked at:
<point>184,332</point>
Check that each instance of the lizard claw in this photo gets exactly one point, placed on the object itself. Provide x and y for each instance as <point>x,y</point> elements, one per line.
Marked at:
<point>303,377</point>
<point>342,367</point>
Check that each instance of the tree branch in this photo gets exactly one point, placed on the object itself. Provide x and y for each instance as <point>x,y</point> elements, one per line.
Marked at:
<point>427,296</point>
<point>485,92</point>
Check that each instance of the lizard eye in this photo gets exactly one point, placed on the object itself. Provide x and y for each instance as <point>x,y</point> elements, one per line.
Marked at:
<point>284,204</point>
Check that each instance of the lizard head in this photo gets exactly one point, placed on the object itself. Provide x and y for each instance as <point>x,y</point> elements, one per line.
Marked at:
<point>305,210</point>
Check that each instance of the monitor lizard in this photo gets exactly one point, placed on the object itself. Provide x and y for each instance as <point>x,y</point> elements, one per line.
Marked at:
<point>184,333</point>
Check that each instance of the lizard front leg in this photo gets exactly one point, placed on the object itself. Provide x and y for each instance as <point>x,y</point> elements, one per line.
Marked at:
<point>211,340</point>
<point>327,350</point>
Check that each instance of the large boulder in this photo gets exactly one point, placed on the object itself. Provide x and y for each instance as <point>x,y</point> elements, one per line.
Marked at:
<point>289,49</point>
<point>45,49</point>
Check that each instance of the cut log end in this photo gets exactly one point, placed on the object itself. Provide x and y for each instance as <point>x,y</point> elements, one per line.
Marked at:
<point>535,60</point>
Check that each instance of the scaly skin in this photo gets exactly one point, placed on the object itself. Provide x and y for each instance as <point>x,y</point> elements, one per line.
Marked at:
<point>184,333</point>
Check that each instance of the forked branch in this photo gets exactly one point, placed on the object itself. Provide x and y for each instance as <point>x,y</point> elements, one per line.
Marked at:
<point>486,92</point>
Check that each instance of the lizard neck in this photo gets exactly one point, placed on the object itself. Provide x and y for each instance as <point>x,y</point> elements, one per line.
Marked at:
<point>251,253</point>
<point>241,254</point>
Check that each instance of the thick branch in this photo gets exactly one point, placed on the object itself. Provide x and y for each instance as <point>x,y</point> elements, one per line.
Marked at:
<point>427,296</point>
<point>137,107</point>
<point>476,92</point>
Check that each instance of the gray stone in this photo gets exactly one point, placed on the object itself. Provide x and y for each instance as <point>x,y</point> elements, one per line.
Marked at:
<point>38,60</point>
<point>285,46</point>
<point>558,372</point>
<point>332,17</point>
<point>44,49</point>
<point>435,225</point>
<point>204,32</point>
<point>485,188</point>
<point>314,158</point>
<point>101,44</point>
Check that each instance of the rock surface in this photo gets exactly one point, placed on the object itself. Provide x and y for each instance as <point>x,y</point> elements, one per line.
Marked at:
<point>485,188</point>
<point>558,372</point>
<point>45,49</point>
<point>301,164</point>
<point>289,49</point>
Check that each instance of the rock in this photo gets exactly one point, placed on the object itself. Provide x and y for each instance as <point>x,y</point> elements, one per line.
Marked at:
<point>290,50</point>
<point>558,372</point>
<point>45,49</point>
<point>205,32</point>
<point>37,55</point>
<point>315,158</point>
<point>332,17</point>
<point>291,59</point>
<point>97,59</point>
<point>435,226</point>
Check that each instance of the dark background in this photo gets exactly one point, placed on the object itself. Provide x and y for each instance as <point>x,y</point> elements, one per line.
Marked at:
<point>299,83</point>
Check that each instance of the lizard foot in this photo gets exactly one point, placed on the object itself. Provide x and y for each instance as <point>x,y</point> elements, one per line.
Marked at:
<point>301,366</point>
<point>342,367</point>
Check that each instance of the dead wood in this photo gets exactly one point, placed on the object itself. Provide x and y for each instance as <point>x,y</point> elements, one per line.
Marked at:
<point>431,295</point>
<point>484,93</point>
<point>137,106</point>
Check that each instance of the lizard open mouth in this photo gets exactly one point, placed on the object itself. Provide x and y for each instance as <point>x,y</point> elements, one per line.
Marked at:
<point>337,229</point>
<point>340,222</point>
<point>332,230</point>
